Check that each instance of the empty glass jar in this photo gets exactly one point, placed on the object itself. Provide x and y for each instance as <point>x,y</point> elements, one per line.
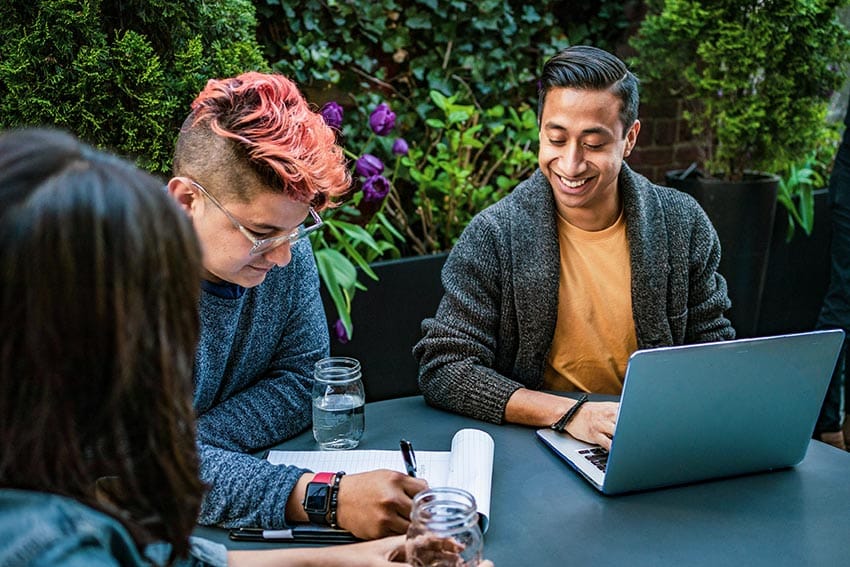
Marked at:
<point>444,529</point>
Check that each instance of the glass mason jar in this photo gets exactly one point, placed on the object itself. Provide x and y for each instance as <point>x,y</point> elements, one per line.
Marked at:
<point>444,529</point>
<point>338,399</point>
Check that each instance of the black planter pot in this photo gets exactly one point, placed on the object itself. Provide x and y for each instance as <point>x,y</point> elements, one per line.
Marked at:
<point>743,214</point>
<point>797,273</point>
<point>387,318</point>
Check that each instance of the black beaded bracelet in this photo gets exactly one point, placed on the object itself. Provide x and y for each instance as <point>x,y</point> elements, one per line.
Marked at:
<point>561,424</point>
<point>334,499</point>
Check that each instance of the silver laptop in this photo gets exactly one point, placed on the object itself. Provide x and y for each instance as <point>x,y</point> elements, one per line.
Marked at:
<point>711,410</point>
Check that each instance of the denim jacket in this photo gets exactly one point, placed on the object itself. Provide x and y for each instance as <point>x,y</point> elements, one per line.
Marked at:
<point>38,528</point>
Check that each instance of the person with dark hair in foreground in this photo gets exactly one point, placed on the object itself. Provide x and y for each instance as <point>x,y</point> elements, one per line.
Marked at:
<point>555,286</point>
<point>253,167</point>
<point>98,327</point>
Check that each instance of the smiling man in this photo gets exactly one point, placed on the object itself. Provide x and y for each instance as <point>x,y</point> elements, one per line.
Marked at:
<point>253,166</point>
<point>554,287</point>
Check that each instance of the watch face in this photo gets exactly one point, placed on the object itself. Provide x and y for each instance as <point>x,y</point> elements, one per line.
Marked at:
<point>316,498</point>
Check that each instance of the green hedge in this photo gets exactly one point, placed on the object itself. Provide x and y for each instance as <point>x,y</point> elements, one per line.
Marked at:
<point>120,75</point>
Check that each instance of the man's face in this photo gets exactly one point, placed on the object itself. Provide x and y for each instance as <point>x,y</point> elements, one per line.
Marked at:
<point>226,250</point>
<point>581,152</point>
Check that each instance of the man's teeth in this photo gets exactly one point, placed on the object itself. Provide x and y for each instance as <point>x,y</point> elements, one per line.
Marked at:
<point>573,184</point>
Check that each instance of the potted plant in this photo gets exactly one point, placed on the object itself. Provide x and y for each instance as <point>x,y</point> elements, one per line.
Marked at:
<point>464,157</point>
<point>755,77</point>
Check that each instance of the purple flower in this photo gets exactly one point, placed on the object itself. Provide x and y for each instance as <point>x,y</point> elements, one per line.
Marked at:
<point>368,165</point>
<point>332,113</point>
<point>340,332</point>
<point>382,120</point>
<point>376,188</point>
<point>400,147</point>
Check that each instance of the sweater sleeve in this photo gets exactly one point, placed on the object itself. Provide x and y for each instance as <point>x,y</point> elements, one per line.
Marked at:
<point>244,490</point>
<point>457,353</point>
<point>708,296</point>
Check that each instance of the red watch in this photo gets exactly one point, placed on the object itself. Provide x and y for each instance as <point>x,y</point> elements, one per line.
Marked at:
<point>317,498</point>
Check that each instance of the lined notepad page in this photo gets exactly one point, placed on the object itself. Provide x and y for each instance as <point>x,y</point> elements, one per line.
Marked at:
<point>469,465</point>
<point>430,465</point>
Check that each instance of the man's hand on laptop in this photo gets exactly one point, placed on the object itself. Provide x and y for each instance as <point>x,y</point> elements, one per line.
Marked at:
<point>595,423</point>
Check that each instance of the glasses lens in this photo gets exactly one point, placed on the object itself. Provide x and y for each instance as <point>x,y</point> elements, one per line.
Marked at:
<point>263,246</point>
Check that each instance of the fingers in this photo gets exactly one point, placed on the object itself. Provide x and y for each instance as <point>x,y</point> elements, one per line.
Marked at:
<point>377,503</point>
<point>595,423</point>
<point>603,441</point>
<point>413,486</point>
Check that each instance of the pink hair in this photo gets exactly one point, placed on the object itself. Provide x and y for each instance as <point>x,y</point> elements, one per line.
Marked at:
<point>286,143</point>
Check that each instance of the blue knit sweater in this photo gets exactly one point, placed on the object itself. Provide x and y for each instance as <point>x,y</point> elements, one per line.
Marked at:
<point>253,376</point>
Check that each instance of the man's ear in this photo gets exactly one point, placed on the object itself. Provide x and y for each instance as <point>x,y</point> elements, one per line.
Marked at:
<point>631,138</point>
<point>181,190</point>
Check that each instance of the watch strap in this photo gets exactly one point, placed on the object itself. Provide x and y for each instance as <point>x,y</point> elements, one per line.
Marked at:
<point>324,478</point>
<point>335,499</point>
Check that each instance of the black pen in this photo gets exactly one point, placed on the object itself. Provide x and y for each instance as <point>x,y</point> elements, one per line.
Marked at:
<point>409,457</point>
<point>297,534</point>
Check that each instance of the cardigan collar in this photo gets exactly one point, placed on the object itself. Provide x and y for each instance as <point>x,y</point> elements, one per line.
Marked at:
<point>536,258</point>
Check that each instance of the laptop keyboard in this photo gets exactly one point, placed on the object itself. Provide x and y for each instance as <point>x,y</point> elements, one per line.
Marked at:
<point>597,456</point>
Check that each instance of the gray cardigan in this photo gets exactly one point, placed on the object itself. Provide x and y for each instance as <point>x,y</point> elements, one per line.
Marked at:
<point>493,329</point>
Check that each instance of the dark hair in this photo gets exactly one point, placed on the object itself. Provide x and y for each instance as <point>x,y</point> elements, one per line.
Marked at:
<point>99,283</point>
<point>260,122</point>
<point>586,67</point>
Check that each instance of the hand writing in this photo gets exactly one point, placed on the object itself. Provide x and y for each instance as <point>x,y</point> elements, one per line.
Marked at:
<point>377,503</point>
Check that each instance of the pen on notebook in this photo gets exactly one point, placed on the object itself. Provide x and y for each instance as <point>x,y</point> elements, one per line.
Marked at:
<point>409,456</point>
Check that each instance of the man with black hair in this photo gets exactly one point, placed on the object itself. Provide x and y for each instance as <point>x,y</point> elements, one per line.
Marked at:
<point>553,287</point>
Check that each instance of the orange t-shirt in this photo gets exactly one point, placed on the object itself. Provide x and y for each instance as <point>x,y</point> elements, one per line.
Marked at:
<point>595,330</point>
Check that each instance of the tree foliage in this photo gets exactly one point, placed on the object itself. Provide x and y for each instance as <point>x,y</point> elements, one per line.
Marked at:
<point>757,74</point>
<point>119,74</point>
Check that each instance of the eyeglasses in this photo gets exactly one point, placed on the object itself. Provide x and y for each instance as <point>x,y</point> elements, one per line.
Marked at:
<point>263,245</point>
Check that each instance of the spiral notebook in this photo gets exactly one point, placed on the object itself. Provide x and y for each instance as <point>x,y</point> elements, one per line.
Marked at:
<point>712,410</point>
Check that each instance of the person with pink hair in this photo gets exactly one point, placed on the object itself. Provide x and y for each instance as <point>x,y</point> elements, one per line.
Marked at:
<point>254,166</point>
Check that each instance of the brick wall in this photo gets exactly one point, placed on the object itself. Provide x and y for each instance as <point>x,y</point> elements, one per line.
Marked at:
<point>664,142</point>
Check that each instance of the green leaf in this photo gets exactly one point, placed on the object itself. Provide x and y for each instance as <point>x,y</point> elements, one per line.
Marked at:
<point>339,277</point>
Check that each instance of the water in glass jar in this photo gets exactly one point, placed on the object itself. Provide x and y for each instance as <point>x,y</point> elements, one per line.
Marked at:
<point>338,421</point>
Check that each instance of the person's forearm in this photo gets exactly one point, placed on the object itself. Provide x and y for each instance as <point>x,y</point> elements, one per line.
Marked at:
<point>294,557</point>
<point>379,552</point>
<point>538,409</point>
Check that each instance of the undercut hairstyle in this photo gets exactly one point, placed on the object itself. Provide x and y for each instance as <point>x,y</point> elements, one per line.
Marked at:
<point>260,123</point>
<point>590,68</point>
<point>99,273</point>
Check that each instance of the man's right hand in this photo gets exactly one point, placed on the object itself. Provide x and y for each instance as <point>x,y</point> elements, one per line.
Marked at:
<point>594,422</point>
<point>377,503</point>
